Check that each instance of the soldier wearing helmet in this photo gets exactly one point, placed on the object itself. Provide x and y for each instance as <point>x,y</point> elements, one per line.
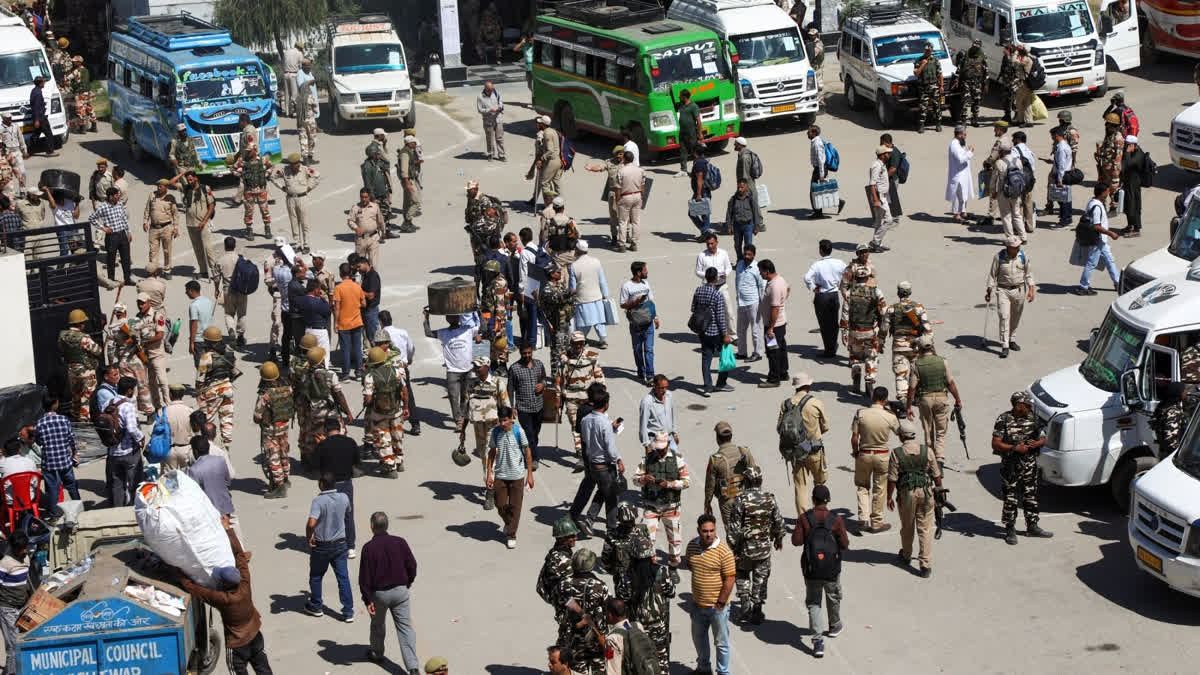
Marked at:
<point>215,375</point>
<point>862,261</point>
<point>386,403</point>
<point>1108,157</point>
<point>652,590</point>
<point>755,524</point>
<point>583,597</point>
<point>617,554</point>
<point>1017,437</point>
<point>861,324</point>
<point>556,570</point>
<point>487,392</point>
<point>579,369</point>
<point>906,321</point>
<point>929,382</point>
<point>317,384</point>
<point>662,476</point>
<point>123,347</point>
<point>913,472</point>
<point>494,308</point>
<point>273,413</point>
<point>556,302</point>
<point>376,178</point>
<point>82,355</point>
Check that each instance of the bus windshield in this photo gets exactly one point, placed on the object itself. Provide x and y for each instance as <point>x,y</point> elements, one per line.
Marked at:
<point>1186,242</point>
<point>769,48</point>
<point>895,48</point>
<point>19,68</point>
<point>1114,350</point>
<point>367,58</point>
<point>204,85</point>
<point>687,63</point>
<point>1054,22</point>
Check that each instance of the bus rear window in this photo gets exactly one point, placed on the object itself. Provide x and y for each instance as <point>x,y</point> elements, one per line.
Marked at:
<point>687,63</point>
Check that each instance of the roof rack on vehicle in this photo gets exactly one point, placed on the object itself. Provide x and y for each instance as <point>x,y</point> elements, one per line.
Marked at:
<point>885,13</point>
<point>609,13</point>
<point>359,23</point>
<point>177,31</point>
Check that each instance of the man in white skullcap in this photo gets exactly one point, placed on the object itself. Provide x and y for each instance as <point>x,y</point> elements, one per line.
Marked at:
<point>591,292</point>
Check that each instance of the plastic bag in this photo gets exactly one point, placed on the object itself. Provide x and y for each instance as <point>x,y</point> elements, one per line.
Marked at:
<point>1037,109</point>
<point>728,360</point>
<point>180,524</point>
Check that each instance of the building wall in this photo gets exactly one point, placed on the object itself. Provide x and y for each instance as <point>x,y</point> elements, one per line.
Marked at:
<point>16,341</point>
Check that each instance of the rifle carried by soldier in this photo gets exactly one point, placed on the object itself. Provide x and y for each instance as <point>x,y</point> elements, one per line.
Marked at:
<point>940,503</point>
<point>956,415</point>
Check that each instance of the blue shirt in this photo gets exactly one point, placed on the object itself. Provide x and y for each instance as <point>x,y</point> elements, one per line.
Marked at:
<point>599,439</point>
<point>201,311</point>
<point>750,283</point>
<point>314,311</point>
<point>283,277</point>
<point>105,394</point>
<point>329,509</point>
<point>57,438</point>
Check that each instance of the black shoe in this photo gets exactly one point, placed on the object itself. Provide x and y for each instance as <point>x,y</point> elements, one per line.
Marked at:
<point>1014,346</point>
<point>926,572</point>
<point>757,616</point>
<point>241,341</point>
<point>819,648</point>
<point>816,215</point>
<point>1010,534</point>
<point>841,205</point>
<point>938,128</point>
<point>1078,290</point>
<point>1004,353</point>
<point>902,559</point>
<point>878,248</point>
<point>373,657</point>
<point>416,429</point>
<point>727,388</point>
<point>768,384</point>
<point>1035,531</point>
<point>674,574</point>
<point>921,129</point>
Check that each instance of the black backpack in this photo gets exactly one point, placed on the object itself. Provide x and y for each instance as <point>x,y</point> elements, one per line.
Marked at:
<point>107,422</point>
<point>1149,170</point>
<point>244,280</point>
<point>639,656</point>
<point>1085,231</point>
<point>1037,75</point>
<point>1027,170</point>
<point>822,557</point>
<point>700,320</point>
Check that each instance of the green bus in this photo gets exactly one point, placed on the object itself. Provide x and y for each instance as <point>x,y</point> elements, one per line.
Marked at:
<point>602,73</point>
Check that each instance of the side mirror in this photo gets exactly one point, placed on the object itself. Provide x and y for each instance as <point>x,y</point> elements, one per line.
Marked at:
<point>1130,396</point>
<point>1106,24</point>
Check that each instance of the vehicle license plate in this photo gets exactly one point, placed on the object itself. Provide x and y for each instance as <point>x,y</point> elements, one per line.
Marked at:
<point>786,107</point>
<point>1152,561</point>
<point>1074,81</point>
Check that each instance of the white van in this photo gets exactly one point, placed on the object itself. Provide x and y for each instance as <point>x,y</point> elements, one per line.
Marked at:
<point>22,58</point>
<point>1184,140</point>
<point>1173,258</point>
<point>771,67</point>
<point>369,71</point>
<point>1062,35</point>
<point>1164,518</point>
<point>1097,413</point>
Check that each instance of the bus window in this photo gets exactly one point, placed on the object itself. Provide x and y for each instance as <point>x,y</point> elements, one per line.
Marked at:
<point>146,86</point>
<point>612,72</point>
<point>166,95</point>
<point>630,78</point>
<point>566,60</point>
<point>987,22</point>
<point>547,54</point>
<point>856,48</point>
<point>126,76</point>
<point>581,65</point>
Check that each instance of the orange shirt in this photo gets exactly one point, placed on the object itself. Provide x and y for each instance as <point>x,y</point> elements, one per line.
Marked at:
<point>348,297</point>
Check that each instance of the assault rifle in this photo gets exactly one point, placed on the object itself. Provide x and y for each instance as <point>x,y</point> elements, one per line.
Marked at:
<point>940,502</point>
<point>956,415</point>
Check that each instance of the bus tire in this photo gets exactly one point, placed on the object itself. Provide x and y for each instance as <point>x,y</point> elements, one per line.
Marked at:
<point>1128,469</point>
<point>637,133</point>
<point>565,115</point>
<point>135,150</point>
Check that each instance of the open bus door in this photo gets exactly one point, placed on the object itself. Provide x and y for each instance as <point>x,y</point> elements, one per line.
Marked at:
<point>1119,32</point>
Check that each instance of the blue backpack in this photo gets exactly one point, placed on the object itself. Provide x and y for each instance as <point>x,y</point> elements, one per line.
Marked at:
<point>159,446</point>
<point>903,168</point>
<point>712,176</point>
<point>832,158</point>
<point>566,151</point>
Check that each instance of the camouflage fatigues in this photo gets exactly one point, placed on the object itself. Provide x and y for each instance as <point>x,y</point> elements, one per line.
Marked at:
<point>82,355</point>
<point>591,594</point>
<point>754,525</point>
<point>122,350</point>
<point>215,386</point>
<point>301,404</point>
<point>617,557</point>
<point>578,373</point>
<point>1018,473</point>
<point>1168,423</point>
<point>1189,364</point>
<point>560,236</point>
<point>254,179</point>
<point>320,386</point>
<point>493,308</point>
<point>816,58</point>
<point>652,614</point>
<point>77,81</point>
<point>408,166</point>
<point>848,277</point>
<point>1008,80</point>
<point>558,306</point>
<point>930,93</point>
<point>905,320</point>
<point>306,119</point>
<point>862,315</point>
<point>384,430</point>
<point>484,216</point>
<point>972,76</point>
<point>662,503</point>
<point>484,398</point>
<point>375,179</point>
<point>182,154</point>
<point>1108,162</point>
<point>556,571</point>
<point>273,411</point>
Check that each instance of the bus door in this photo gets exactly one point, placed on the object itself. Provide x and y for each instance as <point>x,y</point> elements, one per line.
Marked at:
<point>1119,32</point>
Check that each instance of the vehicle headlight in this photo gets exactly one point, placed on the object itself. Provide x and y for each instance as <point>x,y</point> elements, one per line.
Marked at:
<point>899,89</point>
<point>198,142</point>
<point>56,104</point>
<point>729,110</point>
<point>1055,431</point>
<point>810,82</point>
<point>401,94</point>
<point>1192,548</point>
<point>347,99</point>
<point>747,90</point>
<point>662,121</point>
<point>271,133</point>
<point>1099,61</point>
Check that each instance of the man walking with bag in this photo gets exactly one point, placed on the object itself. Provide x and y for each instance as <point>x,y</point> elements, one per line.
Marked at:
<point>801,425</point>
<point>823,535</point>
<point>1089,236</point>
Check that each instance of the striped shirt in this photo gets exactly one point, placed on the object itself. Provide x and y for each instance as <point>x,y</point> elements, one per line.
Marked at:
<point>510,452</point>
<point>133,435</point>
<point>14,582</point>
<point>112,216</point>
<point>710,567</point>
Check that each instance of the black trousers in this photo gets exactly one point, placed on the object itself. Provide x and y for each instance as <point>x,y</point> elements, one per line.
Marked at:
<point>117,242</point>
<point>605,482</point>
<point>1133,206</point>
<point>121,476</point>
<point>531,423</point>
<point>289,341</point>
<point>777,356</point>
<point>43,129</point>
<point>826,307</point>
<point>412,404</point>
<point>253,653</point>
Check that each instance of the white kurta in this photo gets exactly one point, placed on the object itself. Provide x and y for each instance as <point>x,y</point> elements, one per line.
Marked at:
<point>959,180</point>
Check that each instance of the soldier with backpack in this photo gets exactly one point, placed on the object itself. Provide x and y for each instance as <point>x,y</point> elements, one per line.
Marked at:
<point>215,376</point>
<point>823,536</point>
<point>385,401</point>
<point>556,569</point>
<point>273,413</point>
<point>628,649</point>
<point>913,473</point>
<point>616,555</point>
<point>801,425</point>
<point>724,474</point>
<point>583,597</point>
<point>862,316</point>
<point>319,385</point>
<point>651,589</point>
<point>906,321</point>
<point>755,524</point>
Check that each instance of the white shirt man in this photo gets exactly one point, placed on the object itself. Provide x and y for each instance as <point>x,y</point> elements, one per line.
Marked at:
<point>631,150</point>
<point>823,278</point>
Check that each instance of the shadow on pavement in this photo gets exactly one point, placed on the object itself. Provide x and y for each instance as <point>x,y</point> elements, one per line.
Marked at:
<point>975,342</point>
<point>868,556</point>
<point>1116,578</point>
<point>288,603</point>
<point>512,670</point>
<point>548,515</point>
<point>446,490</point>
<point>290,541</point>
<point>479,530</point>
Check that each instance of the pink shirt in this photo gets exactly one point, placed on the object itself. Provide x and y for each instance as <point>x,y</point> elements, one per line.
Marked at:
<point>775,295</point>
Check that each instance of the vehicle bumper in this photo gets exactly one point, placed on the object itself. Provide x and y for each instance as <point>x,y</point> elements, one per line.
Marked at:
<point>1179,572</point>
<point>1070,468</point>
<point>1090,81</point>
<point>383,110</point>
<point>753,110</point>
<point>713,131</point>
<point>1188,161</point>
<point>914,102</point>
<point>58,125</point>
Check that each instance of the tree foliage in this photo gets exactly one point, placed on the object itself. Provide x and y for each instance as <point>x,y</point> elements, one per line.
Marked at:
<point>257,23</point>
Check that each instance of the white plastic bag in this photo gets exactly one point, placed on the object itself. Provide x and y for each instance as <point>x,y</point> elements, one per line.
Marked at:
<point>180,524</point>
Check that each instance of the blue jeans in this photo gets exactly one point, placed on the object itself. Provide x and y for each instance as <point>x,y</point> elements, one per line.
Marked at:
<point>705,619</point>
<point>710,348</point>
<point>643,350</point>
<point>1096,254</point>
<point>702,223</point>
<point>370,317</point>
<point>529,326</point>
<point>351,343</point>
<point>320,558</point>
<point>743,233</point>
<point>1064,214</point>
<point>56,478</point>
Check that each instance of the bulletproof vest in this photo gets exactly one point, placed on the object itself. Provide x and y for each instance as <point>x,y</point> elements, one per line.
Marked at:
<point>221,367</point>
<point>184,153</point>
<point>931,369</point>
<point>974,66</point>
<point>197,196</point>
<point>314,385</point>
<point>731,481</point>
<point>666,468</point>
<point>929,74</point>
<point>281,403</point>
<point>414,167</point>
<point>70,343</point>
<point>579,373</point>
<point>560,233</point>
<point>254,174</point>
<point>863,310</point>
<point>653,607</point>
<point>903,318</point>
<point>385,400</point>
<point>914,470</point>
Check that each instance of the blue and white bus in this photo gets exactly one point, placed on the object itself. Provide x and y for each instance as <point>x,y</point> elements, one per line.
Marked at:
<point>163,70</point>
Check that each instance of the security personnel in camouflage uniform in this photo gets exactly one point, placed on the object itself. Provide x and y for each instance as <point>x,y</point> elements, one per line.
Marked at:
<point>254,170</point>
<point>755,524</point>
<point>616,556</point>
<point>215,376</point>
<point>78,82</point>
<point>1108,157</point>
<point>906,321</point>
<point>273,413</point>
<point>816,59</point>
<point>125,350</point>
<point>862,316</point>
<point>181,153</point>
<point>663,476</point>
<point>913,472</point>
<point>929,382</point>
<point>929,81</point>
<point>1007,79</point>
<point>297,372</point>
<point>559,234</point>
<point>1170,418</point>
<point>486,392</point>
<point>653,589</point>
<point>484,216</point>
<point>408,170</point>
<point>494,308</point>
<point>1017,437</point>
<point>557,304</point>
<point>972,76</point>
<point>386,403</point>
<point>725,472</point>
<point>82,355</point>
<point>861,265</point>
<point>556,571</point>
<point>580,368</point>
<point>376,179</point>
<point>589,623</point>
<point>319,385</point>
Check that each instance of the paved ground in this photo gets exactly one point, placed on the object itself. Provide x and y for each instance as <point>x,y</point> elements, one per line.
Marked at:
<point>1071,604</point>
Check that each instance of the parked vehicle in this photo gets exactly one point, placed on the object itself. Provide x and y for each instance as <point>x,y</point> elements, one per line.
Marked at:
<point>369,71</point>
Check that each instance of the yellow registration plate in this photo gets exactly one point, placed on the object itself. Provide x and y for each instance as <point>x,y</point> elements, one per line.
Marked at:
<point>786,107</point>
<point>1189,164</point>
<point>1152,561</point>
<point>377,110</point>
<point>1074,81</point>
<point>26,128</point>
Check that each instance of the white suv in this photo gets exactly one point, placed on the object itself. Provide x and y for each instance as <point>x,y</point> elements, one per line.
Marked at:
<point>878,53</point>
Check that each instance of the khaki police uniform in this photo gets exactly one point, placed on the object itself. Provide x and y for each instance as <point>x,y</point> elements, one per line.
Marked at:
<point>408,167</point>
<point>162,217</point>
<point>916,504</point>
<point>874,426</point>
<point>629,206</point>
<point>816,425</point>
<point>369,220</point>
<point>296,186</point>
<point>1011,279</point>
<point>930,377</point>
<point>196,204</point>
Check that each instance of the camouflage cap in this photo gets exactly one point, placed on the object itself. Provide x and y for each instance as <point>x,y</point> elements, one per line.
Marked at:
<point>1021,397</point>
<point>925,341</point>
<point>904,288</point>
<point>583,561</point>
<point>626,512</point>
<point>482,362</point>
<point>752,474</point>
<point>381,335</point>
<point>565,527</point>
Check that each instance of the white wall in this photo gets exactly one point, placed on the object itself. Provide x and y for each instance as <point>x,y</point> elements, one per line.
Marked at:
<point>16,340</point>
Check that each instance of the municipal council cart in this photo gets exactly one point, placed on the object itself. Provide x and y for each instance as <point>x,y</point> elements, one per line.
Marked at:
<point>117,617</point>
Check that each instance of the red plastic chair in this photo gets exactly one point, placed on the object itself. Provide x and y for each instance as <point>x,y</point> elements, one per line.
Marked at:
<point>26,491</point>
